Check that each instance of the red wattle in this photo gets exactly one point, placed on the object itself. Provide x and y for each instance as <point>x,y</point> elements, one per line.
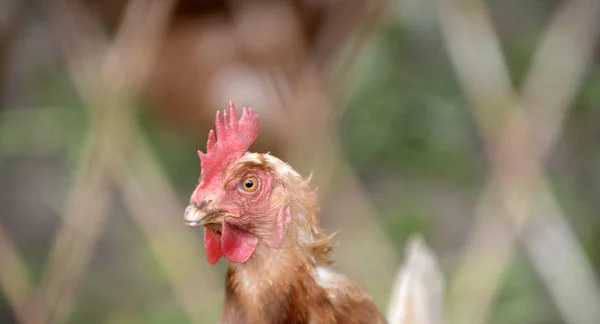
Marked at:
<point>237,244</point>
<point>212,246</point>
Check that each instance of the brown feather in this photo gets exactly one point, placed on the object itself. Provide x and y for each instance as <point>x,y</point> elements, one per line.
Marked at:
<point>288,284</point>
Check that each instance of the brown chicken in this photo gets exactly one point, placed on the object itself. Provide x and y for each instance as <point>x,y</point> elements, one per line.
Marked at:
<point>263,217</point>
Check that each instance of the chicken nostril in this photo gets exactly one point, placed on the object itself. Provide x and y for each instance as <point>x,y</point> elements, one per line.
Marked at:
<point>203,203</point>
<point>207,201</point>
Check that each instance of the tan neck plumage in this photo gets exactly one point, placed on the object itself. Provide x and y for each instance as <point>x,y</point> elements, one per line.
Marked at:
<point>273,281</point>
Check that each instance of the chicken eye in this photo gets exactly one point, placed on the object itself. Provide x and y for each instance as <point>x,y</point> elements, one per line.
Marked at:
<point>249,184</point>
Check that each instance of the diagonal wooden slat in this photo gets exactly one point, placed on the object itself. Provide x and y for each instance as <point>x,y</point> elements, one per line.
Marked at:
<point>124,68</point>
<point>84,45</point>
<point>153,205</point>
<point>550,241</point>
<point>87,204</point>
<point>558,71</point>
<point>72,251</point>
<point>14,281</point>
<point>519,187</point>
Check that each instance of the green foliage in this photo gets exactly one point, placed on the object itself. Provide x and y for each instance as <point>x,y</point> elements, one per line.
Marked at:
<point>401,223</point>
<point>6,314</point>
<point>413,114</point>
<point>518,300</point>
<point>176,153</point>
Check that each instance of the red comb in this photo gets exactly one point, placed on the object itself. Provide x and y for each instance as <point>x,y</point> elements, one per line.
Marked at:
<point>233,140</point>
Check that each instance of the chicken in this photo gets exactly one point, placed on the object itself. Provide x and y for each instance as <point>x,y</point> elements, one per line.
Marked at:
<point>263,217</point>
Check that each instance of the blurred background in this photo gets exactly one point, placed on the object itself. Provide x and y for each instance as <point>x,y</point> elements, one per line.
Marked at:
<point>472,122</point>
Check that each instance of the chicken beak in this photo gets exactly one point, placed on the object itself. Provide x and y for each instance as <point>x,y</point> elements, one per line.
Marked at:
<point>196,217</point>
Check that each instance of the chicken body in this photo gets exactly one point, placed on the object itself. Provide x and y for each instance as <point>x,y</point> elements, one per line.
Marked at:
<point>300,295</point>
<point>263,217</point>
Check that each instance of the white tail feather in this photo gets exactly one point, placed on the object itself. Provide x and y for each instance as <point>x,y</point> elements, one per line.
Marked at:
<point>417,294</point>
